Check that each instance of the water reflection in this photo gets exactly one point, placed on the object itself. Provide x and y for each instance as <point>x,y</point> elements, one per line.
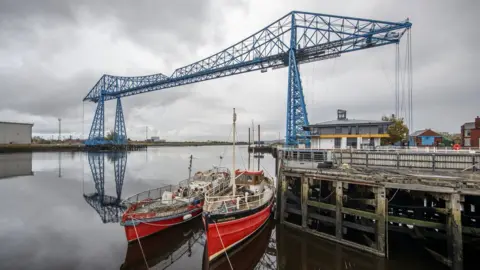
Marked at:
<point>55,228</point>
<point>16,164</point>
<point>109,208</point>
<point>165,248</point>
<point>258,252</point>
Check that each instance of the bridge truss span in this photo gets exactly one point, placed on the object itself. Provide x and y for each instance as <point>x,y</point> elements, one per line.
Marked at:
<point>294,39</point>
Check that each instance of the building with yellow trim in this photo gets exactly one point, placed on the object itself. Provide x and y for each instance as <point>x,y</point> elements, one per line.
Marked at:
<point>347,133</point>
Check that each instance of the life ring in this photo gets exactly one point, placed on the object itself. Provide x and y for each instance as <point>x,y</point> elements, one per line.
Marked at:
<point>456,146</point>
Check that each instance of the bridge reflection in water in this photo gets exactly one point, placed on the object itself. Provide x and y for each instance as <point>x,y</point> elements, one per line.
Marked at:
<point>109,208</point>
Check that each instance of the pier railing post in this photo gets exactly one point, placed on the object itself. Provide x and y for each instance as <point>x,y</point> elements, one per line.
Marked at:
<point>304,205</point>
<point>380,210</point>
<point>339,204</point>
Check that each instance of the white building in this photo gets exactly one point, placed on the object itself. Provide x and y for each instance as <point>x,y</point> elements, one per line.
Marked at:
<point>345,133</point>
<point>15,133</point>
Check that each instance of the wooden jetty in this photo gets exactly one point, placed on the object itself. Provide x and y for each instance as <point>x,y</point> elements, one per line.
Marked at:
<point>425,195</point>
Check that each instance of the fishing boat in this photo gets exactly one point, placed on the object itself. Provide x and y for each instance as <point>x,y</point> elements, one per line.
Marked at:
<point>157,209</point>
<point>232,216</point>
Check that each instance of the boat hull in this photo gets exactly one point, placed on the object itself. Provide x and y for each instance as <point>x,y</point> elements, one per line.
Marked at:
<point>141,228</point>
<point>225,231</point>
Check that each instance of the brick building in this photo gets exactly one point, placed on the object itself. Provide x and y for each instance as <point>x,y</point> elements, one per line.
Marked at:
<point>471,133</point>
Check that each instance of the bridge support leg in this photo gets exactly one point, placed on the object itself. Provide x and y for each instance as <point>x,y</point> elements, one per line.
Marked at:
<point>119,165</point>
<point>97,131</point>
<point>119,131</point>
<point>297,116</point>
<point>97,165</point>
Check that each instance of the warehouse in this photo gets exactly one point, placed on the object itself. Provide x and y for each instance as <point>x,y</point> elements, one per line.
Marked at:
<point>15,133</point>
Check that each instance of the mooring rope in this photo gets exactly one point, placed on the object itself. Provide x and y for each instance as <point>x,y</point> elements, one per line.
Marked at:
<point>139,243</point>
<point>394,195</point>
<point>225,250</point>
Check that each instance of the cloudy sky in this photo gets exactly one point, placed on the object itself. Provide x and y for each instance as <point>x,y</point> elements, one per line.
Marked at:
<point>53,51</point>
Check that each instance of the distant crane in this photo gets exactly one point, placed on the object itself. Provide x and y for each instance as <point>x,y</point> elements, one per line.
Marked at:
<point>296,38</point>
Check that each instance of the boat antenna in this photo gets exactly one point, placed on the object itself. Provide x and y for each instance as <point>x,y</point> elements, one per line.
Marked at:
<point>233,153</point>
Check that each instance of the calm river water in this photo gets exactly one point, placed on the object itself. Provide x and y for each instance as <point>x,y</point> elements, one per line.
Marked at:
<point>61,211</point>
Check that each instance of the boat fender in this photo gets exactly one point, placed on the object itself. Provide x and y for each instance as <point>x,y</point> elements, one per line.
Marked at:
<point>187,216</point>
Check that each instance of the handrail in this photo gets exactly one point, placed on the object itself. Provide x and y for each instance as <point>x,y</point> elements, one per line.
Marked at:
<point>250,201</point>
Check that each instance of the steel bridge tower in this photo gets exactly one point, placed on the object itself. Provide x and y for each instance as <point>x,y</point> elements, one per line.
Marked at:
<point>296,38</point>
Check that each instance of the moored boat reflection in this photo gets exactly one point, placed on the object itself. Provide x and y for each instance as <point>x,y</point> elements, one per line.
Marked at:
<point>164,248</point>
<point>257,252</point>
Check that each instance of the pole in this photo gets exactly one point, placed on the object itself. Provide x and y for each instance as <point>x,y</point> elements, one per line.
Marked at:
<point>258,132</point>
<point>249,145</point>
<point>233,159</point>
<point>146,133</point>
<point>253,147</point>
<point>59,129</point>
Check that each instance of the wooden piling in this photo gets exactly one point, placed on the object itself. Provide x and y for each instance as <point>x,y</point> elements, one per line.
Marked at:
<point>283,198</point>
<point>303,201</point>
<point>380,210</point>
<point>454,232</point>
<point>339,214</point>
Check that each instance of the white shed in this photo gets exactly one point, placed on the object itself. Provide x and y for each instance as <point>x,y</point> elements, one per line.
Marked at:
<point>15,133</point>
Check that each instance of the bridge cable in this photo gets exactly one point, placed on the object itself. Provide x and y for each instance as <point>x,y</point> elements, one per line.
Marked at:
<point>410,69</point>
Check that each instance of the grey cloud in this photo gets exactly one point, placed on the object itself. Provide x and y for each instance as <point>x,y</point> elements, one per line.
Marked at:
<point>180,32</point>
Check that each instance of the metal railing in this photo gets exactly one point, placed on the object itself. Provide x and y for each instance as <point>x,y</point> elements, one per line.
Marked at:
<point>230,203</point>
<point>150,195</point>
<point>390,148</point>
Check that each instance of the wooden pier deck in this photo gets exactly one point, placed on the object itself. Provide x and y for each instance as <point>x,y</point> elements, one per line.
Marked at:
<point>371,193</point>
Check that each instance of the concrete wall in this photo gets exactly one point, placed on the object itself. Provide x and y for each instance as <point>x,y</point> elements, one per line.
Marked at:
<point>15,164</point>
<point>15,133</point>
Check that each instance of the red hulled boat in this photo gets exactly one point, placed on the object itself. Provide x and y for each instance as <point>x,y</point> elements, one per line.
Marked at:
<point>233,215</point>
<point>155,210</point>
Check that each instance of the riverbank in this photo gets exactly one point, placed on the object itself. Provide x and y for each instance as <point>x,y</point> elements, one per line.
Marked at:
<point>15,148</point>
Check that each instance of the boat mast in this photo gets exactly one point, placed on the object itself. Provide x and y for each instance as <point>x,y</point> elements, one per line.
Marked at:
<point>189,176</point>
<point>190,169</point>
<point>233,159</point>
